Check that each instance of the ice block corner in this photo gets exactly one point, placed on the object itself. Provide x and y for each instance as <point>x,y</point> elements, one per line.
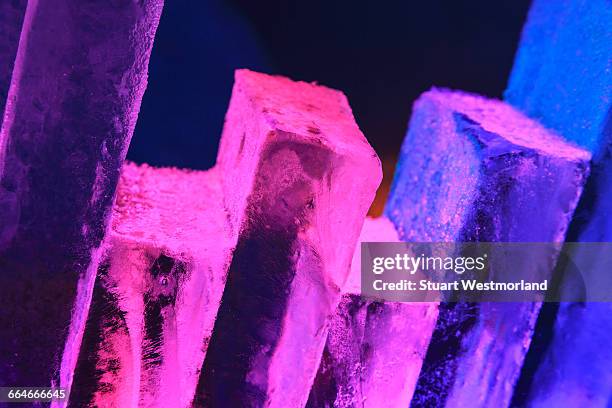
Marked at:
<point>310,176</point>
<point>267,111</point>
<point>464,156</point>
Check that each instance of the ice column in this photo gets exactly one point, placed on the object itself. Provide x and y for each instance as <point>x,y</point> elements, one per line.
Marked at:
<point>76,88</point>
<point>473,169</point>
<point>311,176</point>
<point>562,76</point>
<point>158,290</point>
<point>371,358</point>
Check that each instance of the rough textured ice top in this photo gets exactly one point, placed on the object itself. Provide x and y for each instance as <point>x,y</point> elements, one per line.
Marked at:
<point>268,112</point>
<point>500,118</point>
<point>170,208</point>
<point>306,109</point>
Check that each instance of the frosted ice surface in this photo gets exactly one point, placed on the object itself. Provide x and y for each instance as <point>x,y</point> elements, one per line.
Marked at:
<point>473,169</point>
<point>68,121</point>
<point>159,287</point>
<point>374,349</point>
<point>312,176</point>
<point>562,76</point>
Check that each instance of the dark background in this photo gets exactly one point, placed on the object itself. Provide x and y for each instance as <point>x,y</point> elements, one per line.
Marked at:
<point>382,54</point>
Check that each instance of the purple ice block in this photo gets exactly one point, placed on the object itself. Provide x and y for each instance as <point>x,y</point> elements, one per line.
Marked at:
<point>158,290</point>
<point>11,19</point>
<point>473,169</point>
<point>562,76</point>
<point>76,87</point>
<point>374,349</point>
<point>298,178</point>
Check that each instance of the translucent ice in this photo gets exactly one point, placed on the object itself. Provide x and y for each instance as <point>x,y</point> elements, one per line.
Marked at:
<point>562,76</point>
<point>473,169</point>
<point>158,290</point>
<point>374,349</point>
<point>311,176</point>
<point>75,92</point>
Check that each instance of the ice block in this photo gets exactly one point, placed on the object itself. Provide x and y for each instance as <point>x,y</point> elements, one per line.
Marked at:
<point>158,290</point>
<point>298,177</point>
<point>11,19</point>
<point>77,83</point>
<point>562,76</point>
<point>371,358</point>
<point>473,169</point>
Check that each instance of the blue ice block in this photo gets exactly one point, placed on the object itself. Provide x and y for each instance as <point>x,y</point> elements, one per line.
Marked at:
<point>562,73</point>
<point>473,169</point>
<point>563,77</point>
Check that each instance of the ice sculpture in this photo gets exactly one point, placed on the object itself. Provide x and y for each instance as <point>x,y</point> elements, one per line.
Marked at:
<point>158,290</point>
<point>473,169</point>
<point>75,93</point>
<point>562,76</point>
<point>371,358</point>
<point>311,176</point>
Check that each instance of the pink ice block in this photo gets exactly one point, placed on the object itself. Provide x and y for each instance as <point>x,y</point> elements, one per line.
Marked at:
<point>267,113</point>
<point>298,177</point>
<point>158,290</point>
<point>374,349</point>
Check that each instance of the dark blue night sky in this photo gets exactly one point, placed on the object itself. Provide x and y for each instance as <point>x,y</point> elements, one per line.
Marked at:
<point>381,54</point>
